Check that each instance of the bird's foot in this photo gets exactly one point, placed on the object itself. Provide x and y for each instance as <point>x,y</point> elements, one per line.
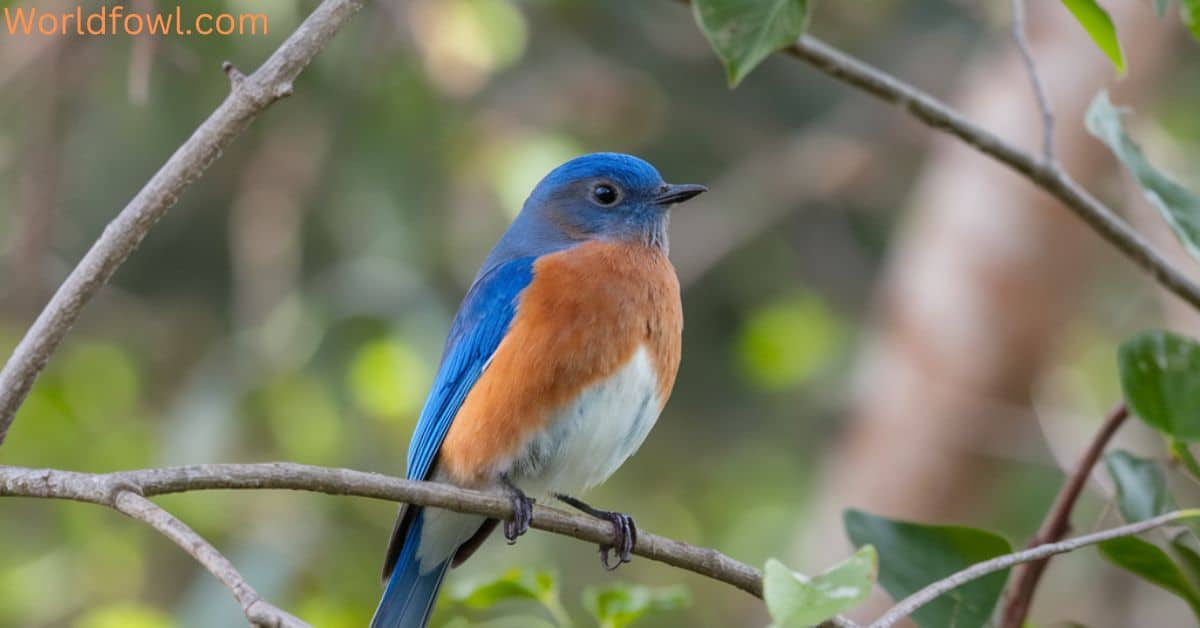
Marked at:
<point>522,516</point>
<point>624,531</point>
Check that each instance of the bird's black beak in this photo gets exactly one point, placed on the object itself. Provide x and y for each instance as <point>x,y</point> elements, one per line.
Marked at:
<point>671,194</point>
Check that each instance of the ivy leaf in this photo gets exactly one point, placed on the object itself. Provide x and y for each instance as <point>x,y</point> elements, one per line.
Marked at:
<point>1179,207</point>
<point>913,555</point>
<point>618,605</point>
<point>794,600</point>
<point>1141,486</point>
<point>1152,564</point>
<point>1099,26</point>
<point>1160,375</point>
<point>744,32</point>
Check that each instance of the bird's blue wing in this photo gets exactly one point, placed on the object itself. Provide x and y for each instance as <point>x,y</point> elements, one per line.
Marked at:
<point>482,321</point>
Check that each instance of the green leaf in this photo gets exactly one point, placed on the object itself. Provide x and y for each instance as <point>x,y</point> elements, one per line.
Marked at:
<point>1141,486</point>
<point>1179,207</point>
<point>1183,455</point>
<point>913,555</point>
<point>1152,564</point>
<point>1186,549</point>
<point>1099,26</point>
<point>1189,10</point>
<point>1160,7</point>
<point>794,600</point>
<point>744,32</point>
<point>1160,375</point>
<point>618,605</point>
<point>514,584</point>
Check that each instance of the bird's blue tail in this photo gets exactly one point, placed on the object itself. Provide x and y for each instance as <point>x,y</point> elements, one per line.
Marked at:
<point>408,599</point>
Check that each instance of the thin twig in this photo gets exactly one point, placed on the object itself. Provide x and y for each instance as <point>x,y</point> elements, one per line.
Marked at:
<point>1039,91</point>
<point>1048,176</point>
<point>248,98</point>
<point>940,116</point>
<point>257,610</point>
<point>915,601</point>
<point>1058,521</point>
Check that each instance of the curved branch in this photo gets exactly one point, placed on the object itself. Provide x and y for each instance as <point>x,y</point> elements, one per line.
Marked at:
<point>99,489</point>
<point>940,116</point>
<point>915,601</point>
<point>1057,522</point>
<point>248,97</point>
<point>257,610</point>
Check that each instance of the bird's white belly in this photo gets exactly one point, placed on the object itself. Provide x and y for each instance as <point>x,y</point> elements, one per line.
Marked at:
<point>585,442</point>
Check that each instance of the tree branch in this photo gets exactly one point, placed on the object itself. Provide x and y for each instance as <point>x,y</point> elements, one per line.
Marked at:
<point>1039,92</point>
<point>915,601</point>
<point>99,489</point>
<point>258,611</point>
<point>937,115</point>
<point>249,96</point>
<point>1057,522</point>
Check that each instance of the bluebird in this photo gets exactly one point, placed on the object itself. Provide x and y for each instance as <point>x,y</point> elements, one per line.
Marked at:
<point>557,365</point>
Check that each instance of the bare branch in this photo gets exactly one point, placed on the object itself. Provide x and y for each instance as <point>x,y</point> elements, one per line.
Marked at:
<point>1039,92</point>
<point>258,611</point>
<point>940,116</point>
<point>98,489</point>
<point>915,601</point>
<point>1058,522</point>
<point>249,96</point>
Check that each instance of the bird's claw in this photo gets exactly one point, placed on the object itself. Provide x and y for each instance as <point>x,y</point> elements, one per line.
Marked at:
<point>624,531</point>
<point>522,515</point>
<point>624,538</point>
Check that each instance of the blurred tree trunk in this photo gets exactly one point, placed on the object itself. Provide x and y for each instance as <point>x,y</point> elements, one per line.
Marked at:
<point>38,185</point>
<point>978,286</point>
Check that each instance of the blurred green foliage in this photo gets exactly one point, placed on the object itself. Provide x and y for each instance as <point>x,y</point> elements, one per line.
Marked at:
<point>293,305</point>
<point>611,606</point>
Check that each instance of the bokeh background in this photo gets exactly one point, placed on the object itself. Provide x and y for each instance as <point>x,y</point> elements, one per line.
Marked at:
<point>875,316</point>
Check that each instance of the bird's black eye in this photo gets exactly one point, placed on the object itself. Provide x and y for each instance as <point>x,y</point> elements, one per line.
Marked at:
<point>605,194</point>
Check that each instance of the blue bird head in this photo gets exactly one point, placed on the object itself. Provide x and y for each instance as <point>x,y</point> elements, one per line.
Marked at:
<point>601,196</point>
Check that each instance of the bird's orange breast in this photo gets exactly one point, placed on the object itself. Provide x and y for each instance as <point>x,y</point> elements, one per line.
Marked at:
<point>581,319</point>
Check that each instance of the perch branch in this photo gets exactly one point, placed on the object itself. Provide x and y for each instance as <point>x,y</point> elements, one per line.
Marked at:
<point>99,489</point>
<point>915,601</point>
<point>1058,521</point>
<point>248,96</point>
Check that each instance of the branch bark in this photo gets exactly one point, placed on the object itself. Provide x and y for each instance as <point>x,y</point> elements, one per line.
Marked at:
<point>101,488</point>
<point>1057,522</point>
<point>248,97</point>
